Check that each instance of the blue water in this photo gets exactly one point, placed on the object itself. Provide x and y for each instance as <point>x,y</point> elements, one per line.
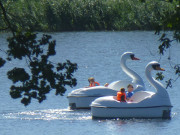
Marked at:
<point>97,54</point>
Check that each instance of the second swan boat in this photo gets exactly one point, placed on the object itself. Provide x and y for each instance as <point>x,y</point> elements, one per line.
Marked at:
<point>82,98</point>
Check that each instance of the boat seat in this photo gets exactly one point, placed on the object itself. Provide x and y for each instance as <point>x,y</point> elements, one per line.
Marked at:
<point>141,95</point>
<point>138,96</point>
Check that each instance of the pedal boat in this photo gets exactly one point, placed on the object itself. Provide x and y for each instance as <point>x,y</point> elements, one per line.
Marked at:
<point>143,104</point>
<point>83,97</point>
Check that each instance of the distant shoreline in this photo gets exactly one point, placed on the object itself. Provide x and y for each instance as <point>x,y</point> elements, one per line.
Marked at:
<point>91,15</point>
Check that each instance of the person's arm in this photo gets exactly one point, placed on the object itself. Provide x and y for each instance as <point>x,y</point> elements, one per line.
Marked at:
<point>97,84</point>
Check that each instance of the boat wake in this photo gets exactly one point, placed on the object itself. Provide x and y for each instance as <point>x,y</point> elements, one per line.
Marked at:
<point>50,114</point>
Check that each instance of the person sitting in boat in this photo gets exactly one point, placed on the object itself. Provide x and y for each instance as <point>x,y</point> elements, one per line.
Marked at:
<point>106,84</point>
<point>121,95</point>
<point>92,82</point>
<point>129,92</point>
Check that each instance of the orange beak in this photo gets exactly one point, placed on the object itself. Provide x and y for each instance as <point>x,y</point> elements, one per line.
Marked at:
<point>134,58</point>
<point>162,69</point>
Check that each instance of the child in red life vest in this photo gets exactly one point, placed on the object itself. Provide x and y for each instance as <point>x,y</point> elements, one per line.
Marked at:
<point>92,82</point>
<point>121,95</point>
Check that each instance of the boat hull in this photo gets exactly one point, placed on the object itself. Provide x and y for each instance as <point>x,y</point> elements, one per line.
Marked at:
<point>81,102</point>
<point>144,104</point>
<point>83,97</point>
<point>131,112</point>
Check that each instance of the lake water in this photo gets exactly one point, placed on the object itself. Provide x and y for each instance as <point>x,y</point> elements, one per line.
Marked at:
<point>97,54</point>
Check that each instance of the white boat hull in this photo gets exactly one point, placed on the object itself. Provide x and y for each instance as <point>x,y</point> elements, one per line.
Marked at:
<point>144,104</point>
<point>83,97</point>
<point>125,113</point>
<point>81,102</point>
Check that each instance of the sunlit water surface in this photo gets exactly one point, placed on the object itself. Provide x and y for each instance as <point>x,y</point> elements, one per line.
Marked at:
<point>97,54</point>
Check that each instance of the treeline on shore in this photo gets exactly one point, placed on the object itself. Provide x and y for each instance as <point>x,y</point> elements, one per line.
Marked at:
<point>87,15</point>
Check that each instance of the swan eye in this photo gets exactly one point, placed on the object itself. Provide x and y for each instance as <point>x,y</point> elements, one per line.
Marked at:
<point>156,66</point>
<point>132,56</point>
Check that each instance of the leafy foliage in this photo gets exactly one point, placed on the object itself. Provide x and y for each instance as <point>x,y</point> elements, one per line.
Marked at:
<point>159,76</point>
<point>2,62</point>
<point>171,22</point>
<point>43,75</point>
<point>166,43</point>
<point>78,15</point>
<point>18,74</point>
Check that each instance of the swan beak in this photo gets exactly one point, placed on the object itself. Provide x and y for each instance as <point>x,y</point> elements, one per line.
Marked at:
<point>159,68</point>
<point>162,69</point>
<point>134,58</point>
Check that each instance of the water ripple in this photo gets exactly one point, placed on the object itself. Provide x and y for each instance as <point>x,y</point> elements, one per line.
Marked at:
<point>50,114</point>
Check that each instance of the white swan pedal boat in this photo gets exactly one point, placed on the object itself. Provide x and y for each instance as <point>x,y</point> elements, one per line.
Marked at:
<point>83,97</point>
<point>144,104</point>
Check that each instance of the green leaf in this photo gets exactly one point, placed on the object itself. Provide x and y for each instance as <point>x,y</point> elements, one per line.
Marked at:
<point>2,62</point>
<point>159,76</point>
<point>18,74</point>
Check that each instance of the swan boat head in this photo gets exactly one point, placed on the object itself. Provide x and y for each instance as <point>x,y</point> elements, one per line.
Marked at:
<point>128,55</point>
<point>160,90</point>
<point>136,81</point>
